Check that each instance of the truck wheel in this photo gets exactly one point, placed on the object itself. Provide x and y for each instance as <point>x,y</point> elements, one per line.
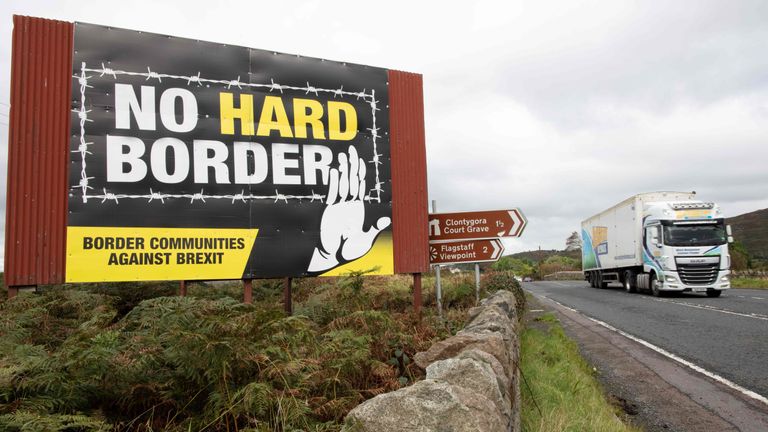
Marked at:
<point>593,279</point>
<point>629,282</point>
<point>654,287</point>
<point>600,282</point>
<point>713,293</point>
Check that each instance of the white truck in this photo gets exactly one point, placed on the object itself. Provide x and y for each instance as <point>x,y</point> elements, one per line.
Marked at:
<point>658,242</point>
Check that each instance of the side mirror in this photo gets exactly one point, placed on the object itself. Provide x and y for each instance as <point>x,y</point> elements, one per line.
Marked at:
<point>730,239</point>
<point>728,231</point>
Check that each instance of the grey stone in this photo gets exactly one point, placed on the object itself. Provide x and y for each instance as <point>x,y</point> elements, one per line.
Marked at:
<point>428,406</point>
<point>491,343</point>
<point>505,300</point>
<point>504,382</point>
<point>473,312</point>
<point>474,375</point>
<point>493,320</point>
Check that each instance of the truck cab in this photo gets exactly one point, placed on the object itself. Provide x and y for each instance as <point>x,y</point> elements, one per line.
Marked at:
<point>685,248</point>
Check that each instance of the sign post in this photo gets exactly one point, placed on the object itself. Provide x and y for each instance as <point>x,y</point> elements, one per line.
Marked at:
<point>438,287</point>
<point>477,283</point>
<point>470,237</point>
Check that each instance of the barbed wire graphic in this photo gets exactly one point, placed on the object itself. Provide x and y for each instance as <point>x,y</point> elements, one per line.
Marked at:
<point>84,184</point>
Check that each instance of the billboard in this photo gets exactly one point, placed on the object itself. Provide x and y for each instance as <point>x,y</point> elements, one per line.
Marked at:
<point>197,160</point>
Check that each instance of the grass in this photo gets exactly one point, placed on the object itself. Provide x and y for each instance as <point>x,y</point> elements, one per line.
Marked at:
<point>562,393</point>
<point>754,283</point>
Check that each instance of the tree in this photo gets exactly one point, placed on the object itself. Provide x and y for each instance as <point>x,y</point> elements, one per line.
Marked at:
<point>740,258</point>
<point>517,266</point>
<point>558,263</point>
<point>573,242</point>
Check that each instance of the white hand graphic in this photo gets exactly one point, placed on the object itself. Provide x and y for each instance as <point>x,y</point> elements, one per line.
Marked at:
<point>342,236</point>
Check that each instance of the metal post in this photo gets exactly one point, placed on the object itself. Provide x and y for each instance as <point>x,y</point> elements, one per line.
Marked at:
<point>13,291</point>
<point>287,302</point>
<point>247,291</point>
<point>477,283</point>
<point>183,288</point>
<point>417,295</point>
<point>438,284</point>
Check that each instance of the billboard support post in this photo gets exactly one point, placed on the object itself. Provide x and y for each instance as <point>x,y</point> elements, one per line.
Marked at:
<point>417,295</point>
<point>12,291</point>
<point>247,291</point>
<point>287,301</point>
<point>182,288</point>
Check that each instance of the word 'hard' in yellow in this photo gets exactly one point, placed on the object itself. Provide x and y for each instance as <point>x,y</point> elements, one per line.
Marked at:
<point>273,117</point>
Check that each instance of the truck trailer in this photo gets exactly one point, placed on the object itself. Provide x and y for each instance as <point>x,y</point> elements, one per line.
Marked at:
<point>659,242</point>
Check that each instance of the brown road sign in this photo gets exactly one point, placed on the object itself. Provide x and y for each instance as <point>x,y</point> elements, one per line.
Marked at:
<point>476,225</point>
<point>465,251</point>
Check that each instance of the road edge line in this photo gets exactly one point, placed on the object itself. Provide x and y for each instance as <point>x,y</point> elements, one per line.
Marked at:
<point>712,308</point>
<point>726,382</point>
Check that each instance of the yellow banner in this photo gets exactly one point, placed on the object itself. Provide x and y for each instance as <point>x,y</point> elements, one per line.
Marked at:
<point>110,254</point>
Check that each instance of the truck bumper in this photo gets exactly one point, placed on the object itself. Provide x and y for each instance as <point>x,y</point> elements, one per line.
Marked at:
<point>673,283</point>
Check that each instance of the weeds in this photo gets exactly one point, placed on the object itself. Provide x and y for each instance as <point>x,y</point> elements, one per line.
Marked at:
<point>136,357</point>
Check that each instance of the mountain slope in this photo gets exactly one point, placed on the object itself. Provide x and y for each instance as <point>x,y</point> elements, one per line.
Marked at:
<point>751,229</point>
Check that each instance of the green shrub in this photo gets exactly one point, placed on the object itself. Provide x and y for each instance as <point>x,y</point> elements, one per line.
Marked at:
<point>128,295</point>
<point>50,317</point>
<point>23,421</point>
<point>505,280</point>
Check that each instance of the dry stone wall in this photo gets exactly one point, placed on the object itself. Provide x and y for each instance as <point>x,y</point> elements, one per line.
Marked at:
<point>472,382</point>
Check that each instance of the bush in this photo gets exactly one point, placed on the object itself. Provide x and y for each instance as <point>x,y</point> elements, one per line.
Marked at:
<point>127,295</point>
<point>505,280</point>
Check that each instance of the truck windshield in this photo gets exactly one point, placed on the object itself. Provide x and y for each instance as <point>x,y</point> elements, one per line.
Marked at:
<point>695,235</point>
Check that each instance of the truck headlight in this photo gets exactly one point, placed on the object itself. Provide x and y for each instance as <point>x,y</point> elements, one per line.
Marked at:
<point>724,279</point>
<point>670,278</point>
<point>665,263</point>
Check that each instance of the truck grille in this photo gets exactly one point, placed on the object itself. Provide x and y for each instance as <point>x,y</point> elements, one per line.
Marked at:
<point>698,274</point>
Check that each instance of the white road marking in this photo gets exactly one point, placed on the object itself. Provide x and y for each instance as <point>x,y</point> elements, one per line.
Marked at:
<point>712,308</point>
<point>665,353</point>
<point>758,298</point>
<point>536,310</point>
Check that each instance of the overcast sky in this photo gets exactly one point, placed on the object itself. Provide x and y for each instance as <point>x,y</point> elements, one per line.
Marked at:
<point>559,108</point>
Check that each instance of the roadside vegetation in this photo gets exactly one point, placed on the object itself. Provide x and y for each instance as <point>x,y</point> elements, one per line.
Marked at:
<point>528,266</point>
<point>133,356</point>
<point>560,391</point>
<point>749,282</point>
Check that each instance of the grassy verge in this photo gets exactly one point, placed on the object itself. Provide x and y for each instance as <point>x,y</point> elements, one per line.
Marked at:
<point>562,392</point>
<point>755,283</point>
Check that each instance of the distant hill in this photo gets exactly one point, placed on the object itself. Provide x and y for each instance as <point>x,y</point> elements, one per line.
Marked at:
<point>751,229</point>
<point>540,255</point>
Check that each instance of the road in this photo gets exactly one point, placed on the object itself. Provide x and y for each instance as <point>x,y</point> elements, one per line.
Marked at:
<point>726,336</point>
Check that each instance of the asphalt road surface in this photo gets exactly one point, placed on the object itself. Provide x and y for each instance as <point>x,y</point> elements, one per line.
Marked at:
<point>726,335</point>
